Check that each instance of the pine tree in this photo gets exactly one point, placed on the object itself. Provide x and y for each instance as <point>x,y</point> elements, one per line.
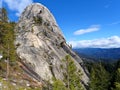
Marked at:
<point>117,80</point>
<point>7,40</point>
<point>99,78</point>
<point>73,76</point>
<point>58,85</point>
<point>4,15</point>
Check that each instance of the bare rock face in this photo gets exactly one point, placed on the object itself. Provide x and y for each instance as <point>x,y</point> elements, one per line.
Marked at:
<point>41,46</point>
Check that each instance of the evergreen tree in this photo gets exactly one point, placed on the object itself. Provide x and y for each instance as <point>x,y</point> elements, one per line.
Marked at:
<point>7,40</point>
<point>99,78</point>
<point>73,76</point>
<point>58,85</point>
<point>117,80</point>
<point>4,17</point>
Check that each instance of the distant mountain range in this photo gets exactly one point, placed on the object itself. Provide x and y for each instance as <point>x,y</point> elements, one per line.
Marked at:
<point>99,54</point>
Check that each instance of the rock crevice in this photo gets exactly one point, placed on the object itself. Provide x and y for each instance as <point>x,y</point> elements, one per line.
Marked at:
<point>40,42</point>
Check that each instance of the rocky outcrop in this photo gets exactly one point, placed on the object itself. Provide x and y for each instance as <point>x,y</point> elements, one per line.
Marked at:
<point>41,46</point>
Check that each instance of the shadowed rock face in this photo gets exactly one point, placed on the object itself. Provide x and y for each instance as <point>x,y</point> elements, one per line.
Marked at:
<point>41,46</point>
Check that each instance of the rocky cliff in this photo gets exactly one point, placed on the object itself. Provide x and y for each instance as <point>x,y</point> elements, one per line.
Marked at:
<point>40,45</point>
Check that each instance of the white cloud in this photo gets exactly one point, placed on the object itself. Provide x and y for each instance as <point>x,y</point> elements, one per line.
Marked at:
<point>92,28</point>
<point>115,23</point>
<point>110,42</point>
<point>17,5</point>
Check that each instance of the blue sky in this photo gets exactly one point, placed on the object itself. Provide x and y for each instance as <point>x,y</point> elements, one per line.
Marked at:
<point>85,23</point>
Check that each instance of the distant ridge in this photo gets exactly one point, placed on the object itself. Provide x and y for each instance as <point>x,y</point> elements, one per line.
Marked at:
<point>97,54</point>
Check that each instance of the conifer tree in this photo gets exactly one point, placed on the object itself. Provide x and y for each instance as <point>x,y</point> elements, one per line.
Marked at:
<point>117,80</point>
<point>4,17</point>
<point>58,85</point>
<point>72,80</point>
<point>73,75</point>
<point>99,78</point>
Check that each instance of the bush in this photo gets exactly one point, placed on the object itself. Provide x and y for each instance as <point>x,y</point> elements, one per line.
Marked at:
<point>38,20</point>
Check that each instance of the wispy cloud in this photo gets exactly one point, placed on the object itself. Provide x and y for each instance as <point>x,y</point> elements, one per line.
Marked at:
<point>110,42</point>
<point>115,23</point>
<point>108,4</point>
<point>92,28</point>
<point>17,5</point>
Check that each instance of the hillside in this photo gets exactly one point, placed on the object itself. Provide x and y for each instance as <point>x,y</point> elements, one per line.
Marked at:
<point>36,55</point>
<point>12,77</point>
<point>99,54</point>
<point>41,47</point>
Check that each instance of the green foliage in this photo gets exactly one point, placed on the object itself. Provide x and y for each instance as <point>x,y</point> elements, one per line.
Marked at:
<point>99,78</point>
<point>73,76</point>
<point>58,85</point>
<point>117,86</point>
<point>110,79</point>
<point>117,80</point>
<point>38,20</point>
<point>4,17</point>
<point>7,40</point>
